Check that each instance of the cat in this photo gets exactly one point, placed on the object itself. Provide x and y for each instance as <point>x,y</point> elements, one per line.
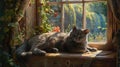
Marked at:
<point>53,42</point>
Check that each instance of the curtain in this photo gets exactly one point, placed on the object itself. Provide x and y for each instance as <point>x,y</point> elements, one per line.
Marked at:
<point>115,6</point>
<point>114,18</point>
<point>112,27</point>
<point>112,24</point>
<point>113,21</point>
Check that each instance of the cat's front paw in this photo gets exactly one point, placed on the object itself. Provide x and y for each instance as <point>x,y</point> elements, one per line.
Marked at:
<point>55,50</point>
<point>92,49</point>
<point>52,50</point>
<point>38,52</point>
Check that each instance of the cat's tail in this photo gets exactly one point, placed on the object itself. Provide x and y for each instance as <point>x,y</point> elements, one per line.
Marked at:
<point>25,50</point>
<point>21,54</point>
<point>22,50</point>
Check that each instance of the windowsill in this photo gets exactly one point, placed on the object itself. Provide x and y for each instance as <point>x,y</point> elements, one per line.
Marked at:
<point>98,54</point>
<point>98,45</point>
<point>104,58</point>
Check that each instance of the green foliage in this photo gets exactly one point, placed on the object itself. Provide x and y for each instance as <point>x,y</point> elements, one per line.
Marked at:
<point>45,11</point>
<point>55,0</point>
<point>72,13</point>
<point>10,12</point>
<point>6,60</point>
<point>98,7</point>
<point>8,21</point>
<point>32,1</point>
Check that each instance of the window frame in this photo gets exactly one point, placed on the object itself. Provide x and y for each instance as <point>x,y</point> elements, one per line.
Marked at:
<point>99,45</point>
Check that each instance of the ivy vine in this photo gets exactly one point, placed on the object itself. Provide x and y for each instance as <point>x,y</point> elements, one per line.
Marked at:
<point>45,12</point>
<point>11,11</point>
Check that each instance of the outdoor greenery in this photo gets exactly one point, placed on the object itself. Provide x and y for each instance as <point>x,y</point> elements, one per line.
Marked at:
<point>44,11</point>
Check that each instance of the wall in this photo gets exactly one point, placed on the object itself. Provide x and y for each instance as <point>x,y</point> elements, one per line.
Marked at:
<point>30,20</point>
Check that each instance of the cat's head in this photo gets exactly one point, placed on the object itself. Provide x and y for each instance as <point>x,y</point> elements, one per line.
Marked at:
<point>77,40</point>
<point>79,35</point>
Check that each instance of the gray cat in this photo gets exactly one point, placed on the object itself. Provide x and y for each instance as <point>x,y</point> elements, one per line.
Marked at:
<point>73,42</point>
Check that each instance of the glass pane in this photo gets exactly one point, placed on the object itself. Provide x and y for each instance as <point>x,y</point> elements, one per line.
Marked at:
<point>96,17</point>
<point>72,16</point>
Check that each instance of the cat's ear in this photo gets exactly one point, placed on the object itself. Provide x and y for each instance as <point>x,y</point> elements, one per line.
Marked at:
<point>74,28</point>
<point>86,31</point>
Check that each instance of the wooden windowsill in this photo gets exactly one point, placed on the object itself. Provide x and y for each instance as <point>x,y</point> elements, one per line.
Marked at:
<point>98,54</point>
<point>95,59</point>
<point>100,45</point>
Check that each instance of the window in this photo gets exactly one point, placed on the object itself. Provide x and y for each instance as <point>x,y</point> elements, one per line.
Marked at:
<point>90,14</point>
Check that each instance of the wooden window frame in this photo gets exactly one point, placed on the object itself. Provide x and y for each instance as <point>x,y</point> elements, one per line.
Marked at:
<point>99,45</point>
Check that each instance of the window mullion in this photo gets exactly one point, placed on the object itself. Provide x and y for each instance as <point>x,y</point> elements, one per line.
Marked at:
<point>62,18</point>
<point>84,16</point>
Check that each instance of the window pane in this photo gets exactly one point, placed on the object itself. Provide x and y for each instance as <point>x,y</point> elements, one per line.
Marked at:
<point>72,16</point>
<point>55,17</point>
<point>96,17</point>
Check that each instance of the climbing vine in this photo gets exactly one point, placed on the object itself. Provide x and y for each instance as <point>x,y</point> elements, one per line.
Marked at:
<point>11,12</point>
<point>45,12</point>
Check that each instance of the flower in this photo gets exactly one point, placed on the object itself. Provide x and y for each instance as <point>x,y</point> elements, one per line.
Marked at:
<point>55,14</point>
<point>56,29</point>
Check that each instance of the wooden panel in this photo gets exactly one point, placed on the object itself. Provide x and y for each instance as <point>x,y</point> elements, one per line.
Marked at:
<point>103,59</point>
<point>30,20</point>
